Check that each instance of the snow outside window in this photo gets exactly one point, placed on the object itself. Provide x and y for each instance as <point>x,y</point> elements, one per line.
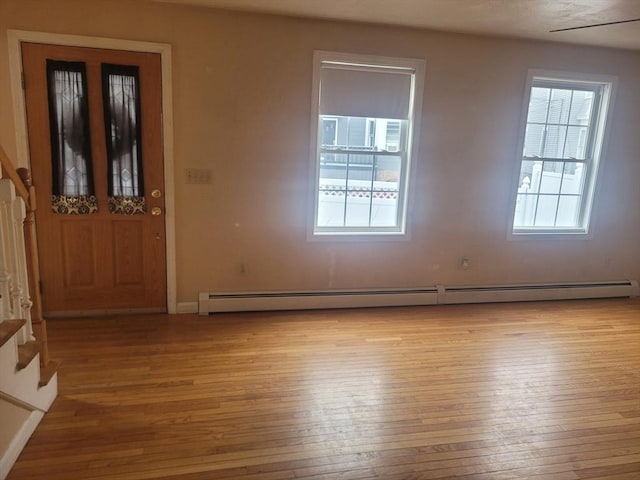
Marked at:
<point>562,143</point>
<point>365,110</point>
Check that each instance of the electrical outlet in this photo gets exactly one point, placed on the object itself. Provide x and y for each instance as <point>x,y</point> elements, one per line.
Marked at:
<point>197,175</point>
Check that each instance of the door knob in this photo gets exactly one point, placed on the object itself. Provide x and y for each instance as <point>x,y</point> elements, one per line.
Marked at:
<point>155,193</point>
<point>156,211</point>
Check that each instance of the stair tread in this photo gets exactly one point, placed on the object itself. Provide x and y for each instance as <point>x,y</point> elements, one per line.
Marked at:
<point>26,353</point>
<point>9,328</point>
<point>47,373</point>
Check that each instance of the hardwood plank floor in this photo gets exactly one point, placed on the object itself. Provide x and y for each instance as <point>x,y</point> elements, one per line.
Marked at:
<point>532,390</point>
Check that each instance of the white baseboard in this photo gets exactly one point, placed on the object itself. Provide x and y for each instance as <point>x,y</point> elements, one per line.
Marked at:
<point>263,301</point>
<point>187,307</point>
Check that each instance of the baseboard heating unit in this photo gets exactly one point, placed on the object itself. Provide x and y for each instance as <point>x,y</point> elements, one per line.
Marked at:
<point>236,302</point>
<point>263,301</point>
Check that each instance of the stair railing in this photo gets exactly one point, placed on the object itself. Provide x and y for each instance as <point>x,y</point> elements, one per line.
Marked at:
<point>19,268</point>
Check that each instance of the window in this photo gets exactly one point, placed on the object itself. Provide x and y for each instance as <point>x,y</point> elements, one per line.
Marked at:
<point>72,165</point>
<point>121,103</point>
<point>561,149</point>
<point>365,109</point>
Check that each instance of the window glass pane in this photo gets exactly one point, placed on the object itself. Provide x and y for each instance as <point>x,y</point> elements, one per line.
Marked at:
<point>69,125</point>
<point>392,143</point>
<point>554,141</point>
<point>333,171</point>
<point>388,172</point>
<point>331,202</point>
<point>122,124</point>
<point>530,175</point>
<point>538,104</point>
<point>576,143</point>
<point>331,195</point>
<point>361,169</point>
<point>525,210</point>
<point>572,182</point>
<point>371,181</point>
<point>384,209</point>
<point>568,210</point>
<point>551,177</point>
<point>357,137</point>
<point>358,208</point>
<point>533,140</point>
<point>559,106</point>
<point>581,106</point>
<point>546,213</point>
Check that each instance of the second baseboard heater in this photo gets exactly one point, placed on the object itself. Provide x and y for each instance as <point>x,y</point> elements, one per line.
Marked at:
<point>303,300</point>
<point>540,291</point>
<point>235,302</point>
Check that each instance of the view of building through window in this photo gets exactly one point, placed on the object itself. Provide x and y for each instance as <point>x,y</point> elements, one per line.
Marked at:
<point>366,106</point>
<point>560,151</point>
<point>359,171</point>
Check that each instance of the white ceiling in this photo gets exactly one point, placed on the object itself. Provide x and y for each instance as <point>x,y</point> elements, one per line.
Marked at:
<point>510,18</point>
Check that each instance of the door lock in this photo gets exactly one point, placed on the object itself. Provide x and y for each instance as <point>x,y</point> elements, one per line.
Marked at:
<point>156,211</point>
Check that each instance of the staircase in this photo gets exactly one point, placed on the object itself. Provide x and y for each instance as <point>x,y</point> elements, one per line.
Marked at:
<point>26,391</point>
<point>28,379</point>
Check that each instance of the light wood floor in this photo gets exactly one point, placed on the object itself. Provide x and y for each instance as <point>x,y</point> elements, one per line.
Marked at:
<point>533,390</point>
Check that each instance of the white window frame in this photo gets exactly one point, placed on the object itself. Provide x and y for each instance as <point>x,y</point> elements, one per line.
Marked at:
<point>413,128</point>
<point>598,137</point>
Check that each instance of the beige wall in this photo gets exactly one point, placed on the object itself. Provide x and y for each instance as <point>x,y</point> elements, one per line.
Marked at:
<point>242,86</point>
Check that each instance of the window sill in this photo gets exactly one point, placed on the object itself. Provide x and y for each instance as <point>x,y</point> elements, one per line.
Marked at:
<point>528,234</point>
<point>356,236</point>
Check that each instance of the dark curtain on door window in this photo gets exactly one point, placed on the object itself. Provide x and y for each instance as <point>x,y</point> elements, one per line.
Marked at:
<point>121,99</point>
<point>72,173</point>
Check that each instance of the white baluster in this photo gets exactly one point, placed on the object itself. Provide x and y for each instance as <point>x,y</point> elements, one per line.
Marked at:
<point>14,283</point>
<point>7,195</point>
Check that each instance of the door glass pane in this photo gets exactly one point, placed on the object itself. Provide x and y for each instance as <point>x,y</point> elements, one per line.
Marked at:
<point>121,96</point>
<point>72,177</point>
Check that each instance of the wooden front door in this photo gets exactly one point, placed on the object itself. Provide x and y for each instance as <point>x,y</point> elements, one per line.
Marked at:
<point>100,191</point>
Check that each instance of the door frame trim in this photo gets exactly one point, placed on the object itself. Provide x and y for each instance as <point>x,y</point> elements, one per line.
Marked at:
<point>16,37</point>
